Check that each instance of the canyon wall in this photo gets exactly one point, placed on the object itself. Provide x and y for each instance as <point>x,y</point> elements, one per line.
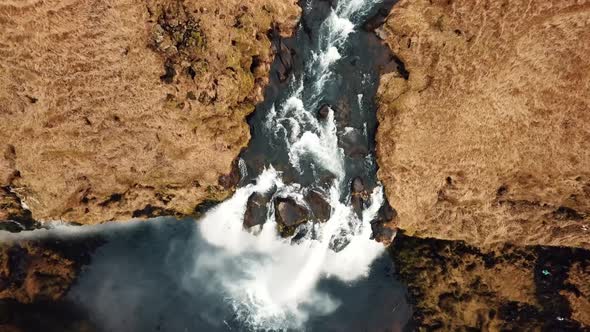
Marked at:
<point>488,138</point>
<point>111,110</point>
<point>484,150</point>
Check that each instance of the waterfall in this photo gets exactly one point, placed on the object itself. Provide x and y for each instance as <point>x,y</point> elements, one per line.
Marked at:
<point>212,274</point>
<point>276,286</point>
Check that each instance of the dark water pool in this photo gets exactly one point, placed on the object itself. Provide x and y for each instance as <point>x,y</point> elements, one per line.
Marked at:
<point>146,278</point>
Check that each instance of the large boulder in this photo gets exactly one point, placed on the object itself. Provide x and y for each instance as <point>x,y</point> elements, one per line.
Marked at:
<point>289,214</point>
<point>256,210</point>
<point>320,208</point>
<point>383,227</point>
<point>285,63</point>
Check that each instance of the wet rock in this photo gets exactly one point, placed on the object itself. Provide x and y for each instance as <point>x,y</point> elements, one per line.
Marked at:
<point>340,240</point>
<point>256,210</point>
<point>383,227</point>
<point>359,196</point>
<point>324,111</point>
<point>289,215</point>
<point>285,63</point>
<point>376,20</point>
<point>231,180</point>
<point>357,205</point>
<point>382,233</point>
<point>354,143</point>
<point>357,185</point>
<point>320,208</point>
<point>13,216</point>
<point>153,211</point>
<point>386,212</point>
<point>11,226</point>
<point>301,233</point>
<point>205,206</point>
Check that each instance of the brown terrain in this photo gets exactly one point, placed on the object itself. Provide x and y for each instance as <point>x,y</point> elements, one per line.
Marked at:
<point>488,141</point>
<point>458,287</point>
<point>111,110</point>
<point>34,277</point>
<point>484,151</point>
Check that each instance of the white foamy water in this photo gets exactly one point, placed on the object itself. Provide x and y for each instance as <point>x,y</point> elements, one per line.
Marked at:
<point>273,282</point>
<point>276,288</point>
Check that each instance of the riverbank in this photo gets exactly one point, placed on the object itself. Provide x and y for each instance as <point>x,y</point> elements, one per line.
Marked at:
<point>130,110</point>
<point>483,148</point>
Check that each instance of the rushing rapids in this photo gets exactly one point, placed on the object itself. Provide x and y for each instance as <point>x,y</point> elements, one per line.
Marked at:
<point>279,290</point>
<point>313,134</point>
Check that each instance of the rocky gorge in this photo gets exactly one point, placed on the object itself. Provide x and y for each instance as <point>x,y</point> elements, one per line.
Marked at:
<point>482,143</point>
<point>483,151</point>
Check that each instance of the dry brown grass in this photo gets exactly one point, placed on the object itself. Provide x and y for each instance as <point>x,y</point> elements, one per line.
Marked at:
<point>489,139</point>
<point>84,113</point>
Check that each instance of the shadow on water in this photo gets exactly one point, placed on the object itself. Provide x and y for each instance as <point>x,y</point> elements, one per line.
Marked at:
<point>162,276</point>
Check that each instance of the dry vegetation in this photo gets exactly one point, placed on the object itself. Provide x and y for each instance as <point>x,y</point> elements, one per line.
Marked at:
<point>488,141</point>
<point>117,109</point>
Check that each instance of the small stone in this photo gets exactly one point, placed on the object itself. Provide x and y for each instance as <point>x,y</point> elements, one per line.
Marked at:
<point>357,185</point>
<point>324,111</point>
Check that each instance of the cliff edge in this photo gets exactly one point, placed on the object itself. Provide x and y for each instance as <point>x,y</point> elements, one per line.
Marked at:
<point>484,150</point>
<point>112,110</point>
<point>488,139</point>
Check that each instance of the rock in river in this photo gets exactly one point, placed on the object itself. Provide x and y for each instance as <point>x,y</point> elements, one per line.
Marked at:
<point>359,195</point>
<point>285,65</point>
<point>289,214</point>
<point>324,111</point>
<point>354,143</point>
<point>320,208</point>
<point>256,210</point>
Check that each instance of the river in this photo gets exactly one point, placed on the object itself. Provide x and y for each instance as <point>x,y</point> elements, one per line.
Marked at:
<point>314,132</point>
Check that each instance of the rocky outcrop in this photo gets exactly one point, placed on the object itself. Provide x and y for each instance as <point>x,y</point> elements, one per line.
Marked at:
<point>488,139</point>
<point>13,217</point>
<point>110,111</point>
<point>484,140</point>
<point>458,287</point>
<point>33,271</point>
